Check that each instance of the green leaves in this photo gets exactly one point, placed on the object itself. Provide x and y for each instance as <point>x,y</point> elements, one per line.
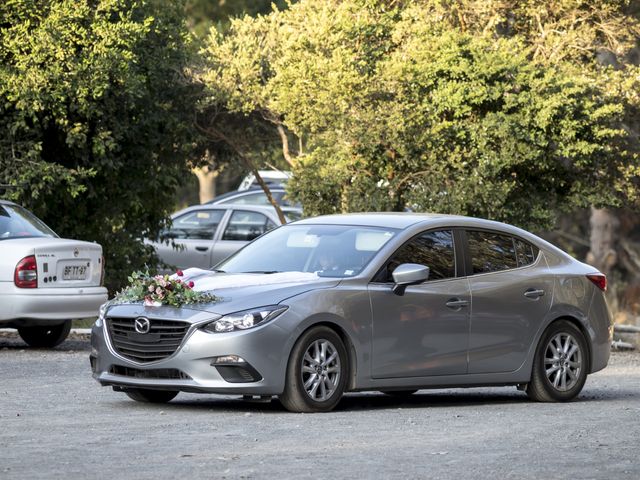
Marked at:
<point>399,110</point>
<point>95,117</point>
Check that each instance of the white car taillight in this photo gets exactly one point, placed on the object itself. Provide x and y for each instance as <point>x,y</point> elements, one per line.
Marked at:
<point>26,273</point>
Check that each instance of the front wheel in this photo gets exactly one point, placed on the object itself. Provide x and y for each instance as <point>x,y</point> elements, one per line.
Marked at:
<point>317,372</point>
<point>560,365</point>
<point>47,336</point>
<point>150,396</point>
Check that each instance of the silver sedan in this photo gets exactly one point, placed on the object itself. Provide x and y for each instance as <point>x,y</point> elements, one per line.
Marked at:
<point>389,302</point>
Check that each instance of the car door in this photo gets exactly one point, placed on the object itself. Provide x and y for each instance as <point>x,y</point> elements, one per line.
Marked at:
<point>511,292</point>
<point>242,227</point>
<point>190,240</point>
<point>425,331</point>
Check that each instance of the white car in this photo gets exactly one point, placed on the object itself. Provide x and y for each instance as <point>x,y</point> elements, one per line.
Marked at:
<point>45,281</point>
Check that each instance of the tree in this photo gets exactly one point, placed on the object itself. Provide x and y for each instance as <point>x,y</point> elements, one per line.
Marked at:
<point>95,114</point>
<point>395,110</point>
<point>217,164</point>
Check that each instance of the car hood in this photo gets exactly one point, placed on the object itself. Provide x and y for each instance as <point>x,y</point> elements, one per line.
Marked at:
<point>231,299</point>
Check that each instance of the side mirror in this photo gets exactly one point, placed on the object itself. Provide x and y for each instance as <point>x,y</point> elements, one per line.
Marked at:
<point>408,274</point>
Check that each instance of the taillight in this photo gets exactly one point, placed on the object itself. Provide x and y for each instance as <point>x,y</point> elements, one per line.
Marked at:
<point>599,280</point>
<point>26,273</point>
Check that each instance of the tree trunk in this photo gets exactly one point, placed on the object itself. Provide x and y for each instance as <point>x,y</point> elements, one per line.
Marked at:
<point>207,181</point>
<point>603,239</point>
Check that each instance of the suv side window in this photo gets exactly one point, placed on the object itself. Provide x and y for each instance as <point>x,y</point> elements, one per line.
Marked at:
<point>491,252</point>
<point>433,249</point>
<point>245,226</point>
<point>199,225</point>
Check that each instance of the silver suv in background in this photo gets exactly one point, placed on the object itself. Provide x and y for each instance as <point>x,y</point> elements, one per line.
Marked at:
<point>204,235</point>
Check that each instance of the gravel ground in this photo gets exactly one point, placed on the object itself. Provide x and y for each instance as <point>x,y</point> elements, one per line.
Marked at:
<point>56,422</point>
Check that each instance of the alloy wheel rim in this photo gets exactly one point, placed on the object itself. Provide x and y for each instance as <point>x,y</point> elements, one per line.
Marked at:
<point>321,370</point>
<point>563,362</point>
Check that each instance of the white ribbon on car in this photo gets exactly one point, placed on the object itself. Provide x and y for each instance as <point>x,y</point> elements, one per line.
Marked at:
<point>206,280</point>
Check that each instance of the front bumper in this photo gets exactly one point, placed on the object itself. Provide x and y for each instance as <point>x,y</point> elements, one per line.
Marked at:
<point>190,368</point>
<point>51,304</point>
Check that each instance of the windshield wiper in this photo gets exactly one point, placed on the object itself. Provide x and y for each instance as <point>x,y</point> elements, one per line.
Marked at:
<point>266,272</point>
<point>216,270</point>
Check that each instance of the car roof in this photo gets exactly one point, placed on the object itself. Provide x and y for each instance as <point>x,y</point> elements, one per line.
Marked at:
<point>242,193</point>
<point>266,209</point>
<point>403,220</point>
<point>373,219</point>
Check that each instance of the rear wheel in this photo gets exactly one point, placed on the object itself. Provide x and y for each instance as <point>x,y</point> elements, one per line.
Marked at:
<point>560,365</point>
<point>151,396</point>
<point>317,372</point>
<point>45,336</point>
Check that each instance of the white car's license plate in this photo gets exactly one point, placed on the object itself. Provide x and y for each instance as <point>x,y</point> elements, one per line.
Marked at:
<point>75,272</point>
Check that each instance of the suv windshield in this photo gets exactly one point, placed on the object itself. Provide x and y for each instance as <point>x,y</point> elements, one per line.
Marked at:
<point>18,222</point>
<point>328,250</point>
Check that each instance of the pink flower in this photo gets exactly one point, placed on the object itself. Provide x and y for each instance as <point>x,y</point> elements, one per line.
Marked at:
<point>158,291</point>
<point>152,288</point>
<point>190,284</point>
<point>180,273</point>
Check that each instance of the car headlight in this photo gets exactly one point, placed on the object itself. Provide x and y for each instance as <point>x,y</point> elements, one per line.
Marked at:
<point>245,319</point>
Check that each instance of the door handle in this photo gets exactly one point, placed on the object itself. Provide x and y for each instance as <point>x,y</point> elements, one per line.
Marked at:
<point>533,293</point>
<point>456,303</point>
<point>202,249</point>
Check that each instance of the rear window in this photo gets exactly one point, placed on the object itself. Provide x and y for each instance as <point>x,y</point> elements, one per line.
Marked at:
<point>18,222</point>
<point>491,252</point>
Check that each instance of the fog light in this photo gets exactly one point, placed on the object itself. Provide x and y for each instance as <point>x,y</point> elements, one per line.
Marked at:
<point>227,359</point>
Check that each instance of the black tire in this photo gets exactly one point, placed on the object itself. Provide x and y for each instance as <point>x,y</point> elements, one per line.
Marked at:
<point>541,387</point>
<point>399,393</point>
<point>295,397</point>
<point>151,396</point>
<point>45,336</point>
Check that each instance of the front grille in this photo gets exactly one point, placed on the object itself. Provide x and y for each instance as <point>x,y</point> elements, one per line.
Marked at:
<point>162,340</point>
<point>155,373</point>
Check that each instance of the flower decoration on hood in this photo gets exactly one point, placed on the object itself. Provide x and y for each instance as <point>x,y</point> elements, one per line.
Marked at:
<point>160,290</point>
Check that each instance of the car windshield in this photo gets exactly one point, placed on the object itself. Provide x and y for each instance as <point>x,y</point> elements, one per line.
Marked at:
<point>328,250</point>
<point>18,222</point>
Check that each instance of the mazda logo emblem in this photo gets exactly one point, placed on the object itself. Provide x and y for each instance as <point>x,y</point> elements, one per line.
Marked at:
<point>142,325</point>
<point>76,252</point>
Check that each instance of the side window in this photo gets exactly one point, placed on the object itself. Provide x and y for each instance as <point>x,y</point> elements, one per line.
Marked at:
<point>491,252</point>
<point>245,226</point>
<point>200,225</point>
<point>433,249</point>
<point>525,252</point>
